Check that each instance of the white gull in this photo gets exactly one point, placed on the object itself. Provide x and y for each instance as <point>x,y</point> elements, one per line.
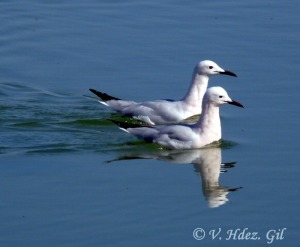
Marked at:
<point>168,111</point>
<point>183,136</point>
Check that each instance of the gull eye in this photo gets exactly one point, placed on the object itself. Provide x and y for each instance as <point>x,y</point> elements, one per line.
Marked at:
<point>220,96</point>
<point>210,67</point>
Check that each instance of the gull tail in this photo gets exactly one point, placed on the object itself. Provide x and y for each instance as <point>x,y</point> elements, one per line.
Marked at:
<point>124,125</point>
<point>103,96</point>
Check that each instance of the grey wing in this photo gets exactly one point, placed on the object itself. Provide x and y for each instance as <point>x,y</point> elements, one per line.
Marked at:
<point>176,137</point>
<point>156,112</point>
<point>148,112</point>
<point>151,112</point>
<point>170,136</point>
<point>146,133</point>
<point>119,105</point>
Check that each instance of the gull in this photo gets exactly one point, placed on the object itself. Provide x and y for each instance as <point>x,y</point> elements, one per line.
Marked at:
<point>183,136</point>
<point>168,111</point>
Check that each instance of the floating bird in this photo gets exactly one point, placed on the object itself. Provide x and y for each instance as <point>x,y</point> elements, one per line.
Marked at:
<point>168,111</point>
<point>183,136</point>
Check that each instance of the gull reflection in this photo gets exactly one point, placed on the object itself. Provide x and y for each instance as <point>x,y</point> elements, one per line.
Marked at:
<point>207,163</point>
<point>209,166</point>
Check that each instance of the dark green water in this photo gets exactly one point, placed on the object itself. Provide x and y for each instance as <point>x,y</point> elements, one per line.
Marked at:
<point>41,121</point>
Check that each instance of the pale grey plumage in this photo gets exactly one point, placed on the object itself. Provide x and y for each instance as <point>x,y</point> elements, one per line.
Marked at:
<point>183,136</point>
<point>168,111</point>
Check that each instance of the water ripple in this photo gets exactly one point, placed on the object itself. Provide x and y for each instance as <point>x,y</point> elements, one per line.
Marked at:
<point>36,121</point>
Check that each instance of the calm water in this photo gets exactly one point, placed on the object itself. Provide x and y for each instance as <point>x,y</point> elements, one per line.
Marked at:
<point>70,178</point>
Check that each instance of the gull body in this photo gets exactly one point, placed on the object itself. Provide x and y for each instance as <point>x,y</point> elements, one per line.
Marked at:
<point>184,136</point>
<point>168,111</point>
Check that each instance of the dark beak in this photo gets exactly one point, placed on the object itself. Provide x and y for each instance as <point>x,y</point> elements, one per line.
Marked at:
<point>227,72</point>
<point>235,103</point>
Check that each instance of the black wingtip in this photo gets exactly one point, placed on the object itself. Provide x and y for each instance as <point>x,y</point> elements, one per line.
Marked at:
<point>103,96</point>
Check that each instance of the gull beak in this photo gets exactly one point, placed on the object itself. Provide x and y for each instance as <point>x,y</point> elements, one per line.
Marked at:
<point>227,72</point>
<point>233,102</point>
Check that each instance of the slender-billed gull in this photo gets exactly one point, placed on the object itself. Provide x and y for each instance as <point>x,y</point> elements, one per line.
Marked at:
<point>183,136</point>
<point>168,111</point>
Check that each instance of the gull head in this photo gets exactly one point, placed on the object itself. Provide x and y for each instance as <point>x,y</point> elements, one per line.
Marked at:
<point>218,96</point>
<point>209,68</point>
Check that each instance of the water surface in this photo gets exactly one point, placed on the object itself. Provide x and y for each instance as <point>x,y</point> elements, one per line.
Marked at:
<point>69,177</point>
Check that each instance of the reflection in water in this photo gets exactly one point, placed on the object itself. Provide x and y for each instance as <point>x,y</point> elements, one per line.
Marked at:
<point>207,163</point>
<point>209,166</point>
